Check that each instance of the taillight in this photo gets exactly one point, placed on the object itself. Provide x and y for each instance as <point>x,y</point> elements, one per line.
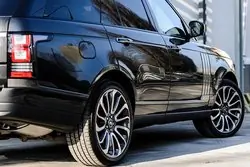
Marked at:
<point>20,56</point>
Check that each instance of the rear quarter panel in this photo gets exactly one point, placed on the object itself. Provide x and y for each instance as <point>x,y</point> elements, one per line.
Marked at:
<point>67,55</point>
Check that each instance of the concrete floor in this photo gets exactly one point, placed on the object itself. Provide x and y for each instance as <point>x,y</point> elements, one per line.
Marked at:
<point>173,145</point>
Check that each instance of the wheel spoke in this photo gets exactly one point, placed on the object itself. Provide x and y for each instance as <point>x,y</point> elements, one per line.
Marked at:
<point>217,115</point>
<point>230,105</point>
<point>233,123</point>
<point>113,101</point>
<point>107,145</point>
<point>236,109</point>
<point>219,103</point>
<point>229,102</point>
<point>103,108</point>
<point>122,119</point>
<point>223,123</point>
<point>233,115</point>
<point>104,137</point>
<point>118,143</point>
<point>227,123</point>
<point>125,106</point>
<point>102,118</point>
<point>218,123</point>
<point>224,94</point>
<point>99,129</point>
<point>119,134</point>
<point>123,128</point>
<point>108,103</point>
<point>117,103</point>
<point>228,95</point>
<point>112,144</point>
<point>237,116</point>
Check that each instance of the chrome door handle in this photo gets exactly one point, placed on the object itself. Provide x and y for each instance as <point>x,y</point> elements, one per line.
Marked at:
<point>124,40</point>
<point>174,48</point>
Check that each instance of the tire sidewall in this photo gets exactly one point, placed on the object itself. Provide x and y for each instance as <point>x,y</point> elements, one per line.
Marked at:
<point>94,141</point>
<point>209,121</point>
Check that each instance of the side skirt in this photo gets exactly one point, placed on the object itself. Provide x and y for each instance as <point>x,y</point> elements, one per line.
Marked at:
<point>162,118</point>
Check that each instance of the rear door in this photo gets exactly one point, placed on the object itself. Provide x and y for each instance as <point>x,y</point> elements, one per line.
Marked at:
<point>140,51</point>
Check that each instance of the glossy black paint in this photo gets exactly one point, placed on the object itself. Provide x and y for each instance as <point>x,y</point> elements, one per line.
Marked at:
<point>190,69</point>
<point>42,106</point>
<point>172,79</point>
<point>143,59</point>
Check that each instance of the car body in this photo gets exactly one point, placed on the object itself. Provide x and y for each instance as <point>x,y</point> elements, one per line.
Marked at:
<point>59,60</point>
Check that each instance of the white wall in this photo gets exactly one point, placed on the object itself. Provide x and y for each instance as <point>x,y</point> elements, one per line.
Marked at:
<point>247,36</point>
<point>222,26</point>
<point>187,8</point>
<point>222,21</point>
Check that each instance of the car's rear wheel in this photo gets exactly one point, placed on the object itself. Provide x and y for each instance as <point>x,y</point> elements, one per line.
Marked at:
<point>104,135</point>
<point>228,112</point>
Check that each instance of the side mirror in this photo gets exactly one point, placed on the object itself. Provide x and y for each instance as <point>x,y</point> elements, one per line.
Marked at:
<point>196,28</point>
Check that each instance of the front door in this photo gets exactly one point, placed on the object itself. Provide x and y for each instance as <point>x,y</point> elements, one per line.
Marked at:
<point>186,60</point>
<point>140,51</point>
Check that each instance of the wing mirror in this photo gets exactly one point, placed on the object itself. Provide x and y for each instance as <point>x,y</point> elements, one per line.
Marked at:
<point>196,29</point>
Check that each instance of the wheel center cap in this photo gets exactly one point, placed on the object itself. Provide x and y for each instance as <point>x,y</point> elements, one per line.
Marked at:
<point>224,109</point>
<point>111,123</point>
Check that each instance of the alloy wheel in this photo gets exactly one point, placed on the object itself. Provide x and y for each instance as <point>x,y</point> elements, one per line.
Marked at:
<point>227,110</point>
<point>112,123</point>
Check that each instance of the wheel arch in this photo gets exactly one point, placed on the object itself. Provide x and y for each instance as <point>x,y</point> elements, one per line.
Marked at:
<point>115,74</point>
<point>223,73</point>
<point>231,76</point>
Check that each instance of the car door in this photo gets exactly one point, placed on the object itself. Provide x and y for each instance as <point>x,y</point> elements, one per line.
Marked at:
<point>188,62</point>
<point>140,52</point>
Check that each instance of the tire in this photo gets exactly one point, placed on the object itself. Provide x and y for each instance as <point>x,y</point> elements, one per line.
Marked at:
<point>231,113</point>
<point>88,144</point>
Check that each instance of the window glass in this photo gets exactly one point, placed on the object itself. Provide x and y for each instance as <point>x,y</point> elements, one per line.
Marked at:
<point>130,14</point>
<point>26,8</point>
<point>110,14</point>
<point>133,14</point>
<point>7,7</point>
<point>35,8</point>
<point>167,20</point>
<point>77,10</point>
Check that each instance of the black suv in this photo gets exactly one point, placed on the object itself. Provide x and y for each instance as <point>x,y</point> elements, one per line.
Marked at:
<point>95,70</point>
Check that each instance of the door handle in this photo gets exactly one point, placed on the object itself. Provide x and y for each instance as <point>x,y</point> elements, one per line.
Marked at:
<point>124,40</point>
<point>174,48</point>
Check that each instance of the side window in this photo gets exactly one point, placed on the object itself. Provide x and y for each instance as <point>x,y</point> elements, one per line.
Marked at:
<point>109,14</point>
<point>166,18</point>
<point>58,10</point>
<point>133,14</point>
<point>24,8</point>
<point>130,14</point>
<point>37,8</point>
<point>76,10</point>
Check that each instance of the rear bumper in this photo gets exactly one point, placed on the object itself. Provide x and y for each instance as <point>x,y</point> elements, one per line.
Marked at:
<point>41,106</point>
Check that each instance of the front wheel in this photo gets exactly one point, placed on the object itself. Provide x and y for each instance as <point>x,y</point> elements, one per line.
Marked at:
<point>104,135</point>
<point>228,112</point>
